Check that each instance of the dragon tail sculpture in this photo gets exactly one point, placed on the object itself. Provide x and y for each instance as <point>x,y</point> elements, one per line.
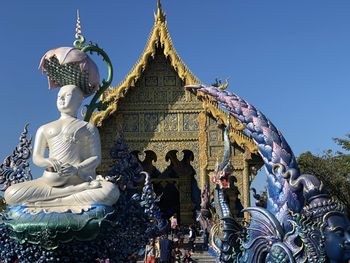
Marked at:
<point>272,147</point>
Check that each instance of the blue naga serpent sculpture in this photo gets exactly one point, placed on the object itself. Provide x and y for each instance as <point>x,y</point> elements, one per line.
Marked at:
<point>272,147</point>
<point>302,222</point>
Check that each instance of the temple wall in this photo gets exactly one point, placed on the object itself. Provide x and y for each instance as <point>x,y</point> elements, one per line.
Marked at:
<point>159,115</point>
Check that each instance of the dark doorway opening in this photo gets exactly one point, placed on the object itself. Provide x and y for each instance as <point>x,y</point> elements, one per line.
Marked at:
<point>170,201</point>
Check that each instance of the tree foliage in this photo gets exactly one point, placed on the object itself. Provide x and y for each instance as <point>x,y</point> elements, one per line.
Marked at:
<point>332,168</point>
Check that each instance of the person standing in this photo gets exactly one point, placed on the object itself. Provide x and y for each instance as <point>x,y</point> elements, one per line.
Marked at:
<point>165,249</point>
<point>157,250</point>
<point>150,252</point>
<point>173,224</point>
<point>191,237</point>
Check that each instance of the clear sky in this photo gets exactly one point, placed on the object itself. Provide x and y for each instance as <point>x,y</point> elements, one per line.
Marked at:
<point>291,59</point>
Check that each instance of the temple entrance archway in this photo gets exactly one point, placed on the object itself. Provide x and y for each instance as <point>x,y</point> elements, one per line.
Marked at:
<point>176,183</point>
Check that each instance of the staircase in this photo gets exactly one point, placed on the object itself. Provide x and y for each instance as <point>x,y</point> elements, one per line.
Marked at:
<point>203,256</point>
<point>199,255</point>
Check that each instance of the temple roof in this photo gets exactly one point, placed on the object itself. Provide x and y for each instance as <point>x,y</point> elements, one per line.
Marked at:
<point>160,36</point>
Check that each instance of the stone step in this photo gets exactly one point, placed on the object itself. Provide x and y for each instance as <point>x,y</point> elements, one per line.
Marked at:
<point>205,257</point>
<point>197,260</point>
<point>198,256</point>
<point>202,256</point>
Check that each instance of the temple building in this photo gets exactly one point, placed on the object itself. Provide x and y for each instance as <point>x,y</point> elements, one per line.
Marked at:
<point>177,136</point>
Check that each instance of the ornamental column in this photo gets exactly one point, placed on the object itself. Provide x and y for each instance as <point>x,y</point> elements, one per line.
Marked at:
<point>246,181</point>
<point>203,141</point>
<point>246,185</point>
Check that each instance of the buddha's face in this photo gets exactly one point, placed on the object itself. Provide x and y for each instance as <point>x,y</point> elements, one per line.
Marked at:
<point>337,233</point>
<point>69,99</point>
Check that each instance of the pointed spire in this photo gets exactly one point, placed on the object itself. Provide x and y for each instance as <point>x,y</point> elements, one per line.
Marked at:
<point>78,36</point>
<point>78,26</point>
<point>160,16</point>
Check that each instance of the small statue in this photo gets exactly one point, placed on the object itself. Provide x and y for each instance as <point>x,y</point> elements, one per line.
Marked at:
<point>261,199</point>
<point>69,182</point>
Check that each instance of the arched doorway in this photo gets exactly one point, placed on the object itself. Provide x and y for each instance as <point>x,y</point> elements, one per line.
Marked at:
<point>176,183</point>
<point>182,173</point>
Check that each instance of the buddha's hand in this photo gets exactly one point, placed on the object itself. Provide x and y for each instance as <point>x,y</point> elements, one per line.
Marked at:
<point>95,184</point>
<point>100,178</point>
<point>54,164</point>
<point>68,170</point>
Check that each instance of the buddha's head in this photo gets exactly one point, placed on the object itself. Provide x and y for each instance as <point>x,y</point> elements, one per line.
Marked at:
<point>69,99</point>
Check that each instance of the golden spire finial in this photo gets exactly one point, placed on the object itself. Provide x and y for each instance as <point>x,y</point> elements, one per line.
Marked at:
<point>160,16</point>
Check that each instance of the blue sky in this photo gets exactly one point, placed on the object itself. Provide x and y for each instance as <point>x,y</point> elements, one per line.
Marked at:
<point>291,59</point>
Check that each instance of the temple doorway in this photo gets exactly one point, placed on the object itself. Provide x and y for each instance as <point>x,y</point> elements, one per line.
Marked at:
<point>170,201</point>
<point>177,184</point>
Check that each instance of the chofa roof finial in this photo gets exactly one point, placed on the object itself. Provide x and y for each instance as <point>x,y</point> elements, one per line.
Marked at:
<point>160,16</point>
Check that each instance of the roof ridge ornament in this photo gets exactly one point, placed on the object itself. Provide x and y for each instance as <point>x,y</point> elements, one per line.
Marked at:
<point>160,16</point>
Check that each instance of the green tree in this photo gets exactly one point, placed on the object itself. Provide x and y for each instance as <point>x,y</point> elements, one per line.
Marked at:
<point>332,168</point>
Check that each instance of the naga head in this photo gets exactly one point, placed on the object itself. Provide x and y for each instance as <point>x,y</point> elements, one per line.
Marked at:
<point>323,221</point>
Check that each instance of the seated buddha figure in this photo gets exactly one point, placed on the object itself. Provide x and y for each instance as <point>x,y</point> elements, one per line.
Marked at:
<point>69,182</point>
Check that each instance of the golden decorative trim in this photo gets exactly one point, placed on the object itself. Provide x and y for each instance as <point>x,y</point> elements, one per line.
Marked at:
<point>203,141</point>
<point>159,36</point>
<point>162,148</point>
<point>245,188</point>
<point>162,111</point>
<point>133,139</point>
<point>236,134</point>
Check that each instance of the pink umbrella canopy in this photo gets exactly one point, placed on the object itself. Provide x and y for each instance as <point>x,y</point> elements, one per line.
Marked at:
<point>70,66</point>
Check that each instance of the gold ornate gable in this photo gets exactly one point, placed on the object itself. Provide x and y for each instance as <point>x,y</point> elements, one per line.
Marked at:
<point>159,36</point>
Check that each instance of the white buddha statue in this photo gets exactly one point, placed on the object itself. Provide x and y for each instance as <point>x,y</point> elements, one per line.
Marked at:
<point>69,182</point>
